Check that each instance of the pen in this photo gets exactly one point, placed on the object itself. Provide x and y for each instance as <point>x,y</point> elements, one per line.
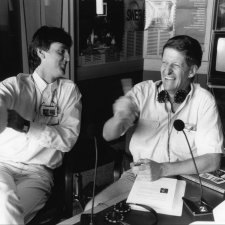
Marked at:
<point>138,164</point>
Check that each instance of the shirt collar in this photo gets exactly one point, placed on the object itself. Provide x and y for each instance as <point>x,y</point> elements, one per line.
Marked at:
<point>189,95</point>
<point>39,82</point>
<point>42,85</point>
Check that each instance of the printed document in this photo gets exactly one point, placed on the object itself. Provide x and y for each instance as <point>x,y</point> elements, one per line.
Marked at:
<point>164,195</point>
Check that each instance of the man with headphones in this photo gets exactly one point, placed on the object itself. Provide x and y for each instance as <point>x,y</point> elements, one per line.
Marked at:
<point>158,149</point>
<point>40,117</point>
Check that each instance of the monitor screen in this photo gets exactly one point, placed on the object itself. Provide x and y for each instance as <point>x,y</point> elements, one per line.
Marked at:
<point>216,72</point>
<point>220,55</point>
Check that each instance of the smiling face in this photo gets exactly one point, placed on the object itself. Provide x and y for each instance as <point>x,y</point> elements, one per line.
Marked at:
<point>54,61</point>
<point>175,73</point>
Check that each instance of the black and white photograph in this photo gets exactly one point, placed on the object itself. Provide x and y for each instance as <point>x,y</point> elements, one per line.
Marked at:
<point>112,112</point>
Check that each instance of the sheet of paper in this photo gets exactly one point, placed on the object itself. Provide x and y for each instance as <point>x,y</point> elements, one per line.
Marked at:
<point>177,208</point>
<point>157,194</point>
<point>206,223</point>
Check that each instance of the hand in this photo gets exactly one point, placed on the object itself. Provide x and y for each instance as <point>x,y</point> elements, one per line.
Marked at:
<point>125,109</point>
<point>135,168</point>
<point>148,169</point>
<point>16,121</point>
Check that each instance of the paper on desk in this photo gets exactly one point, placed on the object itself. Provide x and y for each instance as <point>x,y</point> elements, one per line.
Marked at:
<point>206,223</point>
<point>157,194</point>
<point>151,194</point>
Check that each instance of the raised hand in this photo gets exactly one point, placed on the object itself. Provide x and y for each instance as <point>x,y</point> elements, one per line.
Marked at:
<point>126,109</point>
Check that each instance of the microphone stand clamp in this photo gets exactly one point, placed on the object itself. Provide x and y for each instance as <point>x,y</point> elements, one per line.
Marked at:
<point>198,207</point>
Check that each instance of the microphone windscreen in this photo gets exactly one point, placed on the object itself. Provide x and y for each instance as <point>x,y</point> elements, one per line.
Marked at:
<point>178,125</point>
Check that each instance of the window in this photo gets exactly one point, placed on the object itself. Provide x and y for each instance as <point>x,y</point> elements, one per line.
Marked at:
<point>104,39</point>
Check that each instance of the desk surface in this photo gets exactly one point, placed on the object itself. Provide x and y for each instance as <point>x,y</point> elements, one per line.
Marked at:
<point>213,198</point>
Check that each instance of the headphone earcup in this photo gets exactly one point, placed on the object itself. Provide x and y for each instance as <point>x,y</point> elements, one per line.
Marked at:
<point>163,96</point>
<point>179,97</point>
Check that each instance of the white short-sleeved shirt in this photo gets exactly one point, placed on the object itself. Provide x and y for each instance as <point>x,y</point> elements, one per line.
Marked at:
<point>155,137</point>
<point>48,137</point>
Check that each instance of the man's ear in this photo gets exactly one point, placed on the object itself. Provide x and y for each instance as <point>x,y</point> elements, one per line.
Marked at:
<point>40,53</point>
<point>193,71</point>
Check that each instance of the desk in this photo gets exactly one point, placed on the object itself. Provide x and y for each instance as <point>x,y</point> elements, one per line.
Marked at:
<point>192,190</point>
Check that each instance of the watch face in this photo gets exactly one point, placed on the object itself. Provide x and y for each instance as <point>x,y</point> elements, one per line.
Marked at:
<point>26,128</point>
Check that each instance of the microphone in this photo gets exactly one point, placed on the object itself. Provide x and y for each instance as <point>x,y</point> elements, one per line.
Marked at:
<point>178,125</point>
<point>199,207</point>
<point>90,219</point>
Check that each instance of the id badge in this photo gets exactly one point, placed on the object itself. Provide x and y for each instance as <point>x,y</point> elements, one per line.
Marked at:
<point>49,111</point>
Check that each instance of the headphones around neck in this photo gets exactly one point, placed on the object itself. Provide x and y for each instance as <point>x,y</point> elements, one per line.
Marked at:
<point>180,95</point>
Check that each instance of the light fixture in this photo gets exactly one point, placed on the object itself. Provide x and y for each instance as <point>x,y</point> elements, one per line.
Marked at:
<point>47,2</point>
<point>99,7</point>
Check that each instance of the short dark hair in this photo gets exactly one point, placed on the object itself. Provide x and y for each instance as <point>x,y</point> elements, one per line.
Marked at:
<point>187,45</point>
<point>42,39</point>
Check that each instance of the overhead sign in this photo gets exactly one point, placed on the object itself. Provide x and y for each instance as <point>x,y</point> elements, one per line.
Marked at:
<point>160,14</point>
<point>134,14</point>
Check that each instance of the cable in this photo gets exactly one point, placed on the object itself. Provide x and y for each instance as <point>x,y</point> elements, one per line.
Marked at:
<point>95,174</point>
<point>196,168</point>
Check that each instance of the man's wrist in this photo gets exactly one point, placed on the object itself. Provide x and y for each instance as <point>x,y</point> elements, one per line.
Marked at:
<point>124,116</point>
<point>26,126</point>
<point>164,169</point>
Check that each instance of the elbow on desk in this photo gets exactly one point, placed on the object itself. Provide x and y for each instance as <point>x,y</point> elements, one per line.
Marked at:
<point>214,162</point>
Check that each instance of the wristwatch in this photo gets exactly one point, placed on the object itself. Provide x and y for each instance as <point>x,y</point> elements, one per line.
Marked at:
<point>26,126</point>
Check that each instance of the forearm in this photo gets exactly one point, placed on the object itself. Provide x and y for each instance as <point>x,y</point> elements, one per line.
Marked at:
<point>205,163</point>
<point>113,128</point>
<point>3,115</point>
<point>125,112</point>
<point>62,136</point>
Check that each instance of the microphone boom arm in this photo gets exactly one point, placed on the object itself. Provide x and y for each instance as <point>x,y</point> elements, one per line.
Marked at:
<point>196,168</point>
<point>86,218</point>
<point>95,174</point>
<point>195,207</point>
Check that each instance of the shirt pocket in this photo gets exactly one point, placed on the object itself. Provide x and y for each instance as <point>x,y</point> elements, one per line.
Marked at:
<point>190,131</point>
<point>190,128</point>
<point>181,142</point>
